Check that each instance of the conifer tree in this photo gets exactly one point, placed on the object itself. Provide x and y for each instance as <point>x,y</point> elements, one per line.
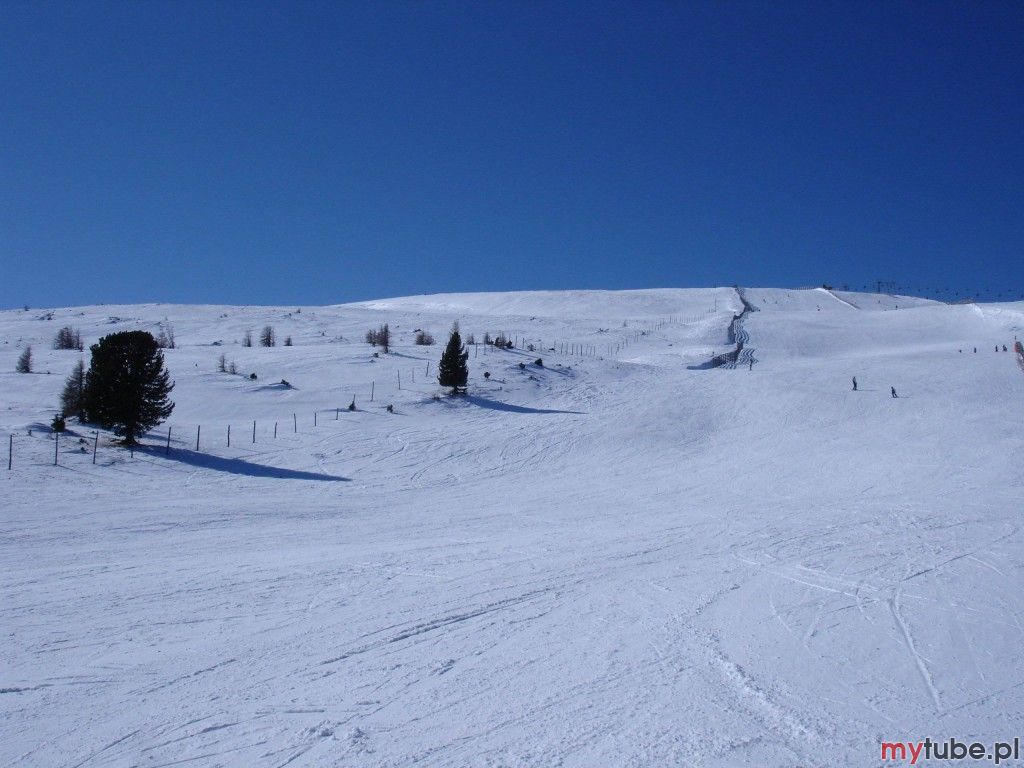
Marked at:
<point>452,371</point>
<point>71,399</point>
<point>24,364</point>
<point>127,385</point>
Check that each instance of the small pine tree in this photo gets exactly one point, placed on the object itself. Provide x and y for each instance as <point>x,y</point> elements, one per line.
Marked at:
<point>287,341</point>
<point>58,424</point>
<point>267,336</point>
<point>487,338</point>
<point>71,398</point>
<point>222,364</point>
<point>247,339</point>
<point>384,337</point>
<point>24,364</point>
<point>424,339</point>
<point>452,371</point>
<point>470,339</point>
<point>127,385</point>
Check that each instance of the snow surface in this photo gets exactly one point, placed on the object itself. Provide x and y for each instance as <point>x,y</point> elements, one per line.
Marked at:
<point>613,560</point>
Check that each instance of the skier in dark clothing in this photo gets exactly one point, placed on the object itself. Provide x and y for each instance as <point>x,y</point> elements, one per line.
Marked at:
<point>854,383</point>
<point>893,391</point>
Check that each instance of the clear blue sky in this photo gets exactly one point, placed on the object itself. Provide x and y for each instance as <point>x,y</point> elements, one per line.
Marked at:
<point>294,152</point>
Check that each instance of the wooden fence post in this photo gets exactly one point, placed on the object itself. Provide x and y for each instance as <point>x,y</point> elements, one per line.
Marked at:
<point>295,423</point>
<point>10,451</point>
<point>371,391</point>
<point>275,430</point>
<point>229,435</point>
<point>96,443</point>
<point>56,445</point>
<point>198,429</point>
<point>254,431</point>
<point>167,450</point>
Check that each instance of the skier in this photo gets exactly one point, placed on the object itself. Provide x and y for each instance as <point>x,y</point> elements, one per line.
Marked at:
<point>854,383</point>
<point>893,389</point>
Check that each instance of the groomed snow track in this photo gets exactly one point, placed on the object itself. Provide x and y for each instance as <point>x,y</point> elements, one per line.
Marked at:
<point>738,335</point>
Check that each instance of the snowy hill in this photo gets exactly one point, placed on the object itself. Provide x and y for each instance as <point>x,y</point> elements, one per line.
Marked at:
<point>618,558</point>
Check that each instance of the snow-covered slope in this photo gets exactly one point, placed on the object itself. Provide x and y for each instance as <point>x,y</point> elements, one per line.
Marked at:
<point>613,559</point>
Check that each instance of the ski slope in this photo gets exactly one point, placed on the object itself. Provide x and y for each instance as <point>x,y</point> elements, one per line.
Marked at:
<point>616,559</point>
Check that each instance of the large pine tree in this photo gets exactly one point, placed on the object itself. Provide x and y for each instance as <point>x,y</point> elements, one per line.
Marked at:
<point>127,385</point>
<point>452,371</point>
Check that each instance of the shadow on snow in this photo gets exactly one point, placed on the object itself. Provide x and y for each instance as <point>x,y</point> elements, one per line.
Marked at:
<point>236,466</point>
<point>496,405</point>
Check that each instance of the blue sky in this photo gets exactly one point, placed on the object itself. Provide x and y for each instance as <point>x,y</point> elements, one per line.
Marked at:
<point>288,153</point>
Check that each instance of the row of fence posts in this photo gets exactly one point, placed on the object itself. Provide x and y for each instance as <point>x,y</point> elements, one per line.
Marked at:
<point>570,348</point>
<point>56,448</point>
<point>167,440</point>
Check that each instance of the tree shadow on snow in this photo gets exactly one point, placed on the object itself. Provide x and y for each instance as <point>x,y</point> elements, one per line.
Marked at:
<point>496,405</point>
<point>236,466</point>
<point>276,387</point>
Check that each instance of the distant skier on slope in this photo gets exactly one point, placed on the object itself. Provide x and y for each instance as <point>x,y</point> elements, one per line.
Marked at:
<point>854,383</point>
<point>893,389</point>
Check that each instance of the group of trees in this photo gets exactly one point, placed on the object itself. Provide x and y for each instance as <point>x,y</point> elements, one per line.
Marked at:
<point>165,336</point>
<point>501,340</point>
<point>268,338</point>
<point>125,389</point>
<point>452,371</point>
<point>68,338</point>
<point>380,337</point>
<point>223,366</point>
